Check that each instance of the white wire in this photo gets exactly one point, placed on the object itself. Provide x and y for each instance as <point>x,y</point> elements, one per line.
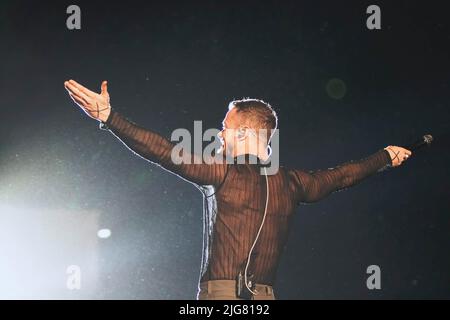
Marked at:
<point>257,235</point>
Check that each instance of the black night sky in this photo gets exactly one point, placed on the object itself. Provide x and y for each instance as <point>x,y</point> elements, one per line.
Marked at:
<point>171,63</point>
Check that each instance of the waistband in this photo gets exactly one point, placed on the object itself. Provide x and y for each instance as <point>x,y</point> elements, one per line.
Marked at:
<point>214,285</point>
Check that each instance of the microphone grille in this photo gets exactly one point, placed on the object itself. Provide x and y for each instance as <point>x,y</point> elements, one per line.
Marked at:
<point>428,138</point>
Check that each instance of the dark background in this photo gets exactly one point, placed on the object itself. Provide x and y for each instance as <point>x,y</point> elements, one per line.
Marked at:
<point>171,63</point>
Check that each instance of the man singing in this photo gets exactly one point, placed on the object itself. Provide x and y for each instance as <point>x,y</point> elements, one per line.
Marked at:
<point>246,214</point>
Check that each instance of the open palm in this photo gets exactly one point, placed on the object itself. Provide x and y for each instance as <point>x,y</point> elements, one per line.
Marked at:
<point>94,104</point>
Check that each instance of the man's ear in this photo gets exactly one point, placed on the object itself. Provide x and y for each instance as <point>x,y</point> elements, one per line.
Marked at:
<point>241,133</point>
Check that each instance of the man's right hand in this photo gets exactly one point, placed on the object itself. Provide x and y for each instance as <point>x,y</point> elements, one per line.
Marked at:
<point>95,105</point>
<point>398,154</point>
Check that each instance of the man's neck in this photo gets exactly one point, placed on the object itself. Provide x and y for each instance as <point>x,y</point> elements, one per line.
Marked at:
<point>260,152</point>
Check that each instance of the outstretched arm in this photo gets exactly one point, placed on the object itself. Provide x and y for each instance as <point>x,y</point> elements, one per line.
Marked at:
<point>314,185</point>
<point>146,143</point>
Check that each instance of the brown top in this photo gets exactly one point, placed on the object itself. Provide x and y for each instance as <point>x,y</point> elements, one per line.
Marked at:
<point>234,200</point>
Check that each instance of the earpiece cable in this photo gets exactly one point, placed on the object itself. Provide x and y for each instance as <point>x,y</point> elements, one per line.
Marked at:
<point>257,235</point>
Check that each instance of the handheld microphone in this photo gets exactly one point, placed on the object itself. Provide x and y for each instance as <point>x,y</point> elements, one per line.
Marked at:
<point>424,141</point>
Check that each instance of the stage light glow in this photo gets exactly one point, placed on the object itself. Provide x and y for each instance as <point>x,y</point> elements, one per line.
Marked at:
<point>38,245</point>
<point>51,220</point>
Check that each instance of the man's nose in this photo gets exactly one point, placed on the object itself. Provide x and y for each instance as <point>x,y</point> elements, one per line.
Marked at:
<point>220,135</point>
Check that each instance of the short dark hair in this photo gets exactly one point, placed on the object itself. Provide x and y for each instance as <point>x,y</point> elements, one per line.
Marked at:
<point>258,113</point>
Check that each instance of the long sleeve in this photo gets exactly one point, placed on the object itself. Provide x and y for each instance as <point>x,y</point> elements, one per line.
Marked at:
<point>314,185</point>
<point>157,149</point>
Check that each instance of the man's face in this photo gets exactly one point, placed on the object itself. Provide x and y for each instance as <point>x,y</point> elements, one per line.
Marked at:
<point>229,126</point>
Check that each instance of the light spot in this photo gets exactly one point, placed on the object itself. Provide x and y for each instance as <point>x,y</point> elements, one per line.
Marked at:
<point>336,88</point>
<point>104,233</point>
